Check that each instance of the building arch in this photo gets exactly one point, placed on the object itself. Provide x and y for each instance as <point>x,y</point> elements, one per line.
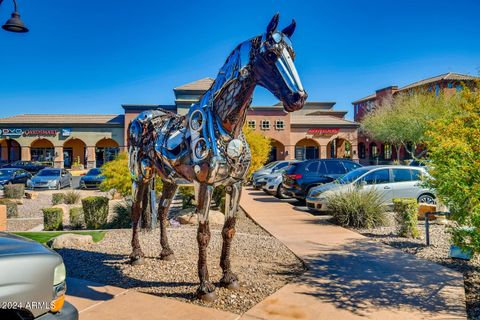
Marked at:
<point>277,152</point>
<point>106,149</point>
<point>10,150</point>
<point>74,150</point>
<point>306,149</point>
<point>339,148</point>
<point>42,150</point>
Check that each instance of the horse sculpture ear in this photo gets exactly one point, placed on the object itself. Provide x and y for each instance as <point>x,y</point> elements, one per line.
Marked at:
<point>272,25</point>
<point>290,29</point>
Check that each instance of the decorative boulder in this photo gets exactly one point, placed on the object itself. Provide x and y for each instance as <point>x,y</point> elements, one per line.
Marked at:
<point>189,217</point>
<point>69,240</point>
<point>32,195</point>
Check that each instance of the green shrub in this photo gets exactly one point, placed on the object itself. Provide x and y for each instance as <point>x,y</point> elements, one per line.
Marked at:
<point>188,196</point>
<point>71,197</point>
<point>14,191</point>
<point>123,215</point>
<point>218,196</point>
<point>76,218</point>
<point>357,208</point>
<point>57,198</point>
<point>12,208</point>
<point>52,219</point>
<point>406,215</point>
<point>95,211</point>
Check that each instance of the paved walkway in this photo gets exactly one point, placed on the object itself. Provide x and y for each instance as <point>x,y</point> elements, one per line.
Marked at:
<point>350,276</point>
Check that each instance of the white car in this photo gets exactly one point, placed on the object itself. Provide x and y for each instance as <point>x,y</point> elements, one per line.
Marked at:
<point>273,184</point>
<point>390,181</point>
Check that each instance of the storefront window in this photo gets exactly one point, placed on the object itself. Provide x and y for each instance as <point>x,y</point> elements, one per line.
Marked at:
<point>387,151</point>
<point>361,150</point>
<point>104,155</point>
<point>373,151</point>
<point>306,152</point>
<point>43,154</point>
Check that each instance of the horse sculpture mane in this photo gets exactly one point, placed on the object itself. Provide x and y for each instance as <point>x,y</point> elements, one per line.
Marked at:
<point>207,146</point>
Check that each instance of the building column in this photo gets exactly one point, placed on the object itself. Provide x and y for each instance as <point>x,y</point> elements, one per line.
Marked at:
<point>58,162</point>
<point>289,152</point>
<point>354,152</point>
<point>91,159</point>
<point>323,151</point>
<point>25,154</point>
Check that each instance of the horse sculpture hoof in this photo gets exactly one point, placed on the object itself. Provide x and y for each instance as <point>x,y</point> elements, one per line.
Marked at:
<point>234,285</point>
<point>168,257</point>
<point>207,297</point>
<point>137,261</point>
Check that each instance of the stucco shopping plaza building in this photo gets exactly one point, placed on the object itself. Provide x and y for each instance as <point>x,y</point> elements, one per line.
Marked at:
<point>316,131</point>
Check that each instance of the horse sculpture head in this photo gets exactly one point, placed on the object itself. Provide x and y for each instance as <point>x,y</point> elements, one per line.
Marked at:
<point>273,66</point>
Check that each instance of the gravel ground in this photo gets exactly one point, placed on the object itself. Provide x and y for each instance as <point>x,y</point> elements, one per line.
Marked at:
<point>438,252</point>
<point>262,263</point>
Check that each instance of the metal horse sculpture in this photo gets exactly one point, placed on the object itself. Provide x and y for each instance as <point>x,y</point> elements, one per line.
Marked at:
<point>207,145</point>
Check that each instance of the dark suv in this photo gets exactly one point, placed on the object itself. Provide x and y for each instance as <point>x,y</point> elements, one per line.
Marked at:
<point>301,176</point>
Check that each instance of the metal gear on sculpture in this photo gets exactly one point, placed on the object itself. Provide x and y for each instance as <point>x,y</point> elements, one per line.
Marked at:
<point>207,146</point>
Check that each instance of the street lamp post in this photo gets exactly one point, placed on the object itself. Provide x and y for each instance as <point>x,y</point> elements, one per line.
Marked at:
<point>14,24</point>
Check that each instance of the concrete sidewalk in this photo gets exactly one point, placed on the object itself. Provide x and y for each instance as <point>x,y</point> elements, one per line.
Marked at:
<point>350,276</point>
<point>98,301</point>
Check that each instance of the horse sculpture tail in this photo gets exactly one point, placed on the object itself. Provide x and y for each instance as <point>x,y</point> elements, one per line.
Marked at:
<point>143,182</point>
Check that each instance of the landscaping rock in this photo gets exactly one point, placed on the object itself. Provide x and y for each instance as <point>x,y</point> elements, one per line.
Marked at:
<point>70,240</point>
<point>188,216</point>
<point>32,195</point>
<point>66,211</point>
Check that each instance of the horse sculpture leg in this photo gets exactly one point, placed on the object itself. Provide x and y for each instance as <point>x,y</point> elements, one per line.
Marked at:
<point>229,279</point>
<point>168,193</point>
<point>206,290</point>
<point>140,188</point>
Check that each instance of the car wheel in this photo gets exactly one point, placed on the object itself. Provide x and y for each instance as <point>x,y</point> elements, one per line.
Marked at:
<point>59,186</point>
<point>280,194</point>
<point>427,199</point>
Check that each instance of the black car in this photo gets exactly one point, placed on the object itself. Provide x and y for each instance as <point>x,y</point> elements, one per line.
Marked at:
<point>30,166</point>
<point>92,179</point>
<point>13,176</point>
<point>301,176</point>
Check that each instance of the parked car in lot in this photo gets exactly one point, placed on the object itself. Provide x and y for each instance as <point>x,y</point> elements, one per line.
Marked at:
<point>32,281</point>
<point>273,184</point>
<point>30,166</point>
<point>13,176</point>
<point>302,176</point>
<point>92,179</point>
<point>258,177</point>
<point>390,181</point>
<point>51,178</point>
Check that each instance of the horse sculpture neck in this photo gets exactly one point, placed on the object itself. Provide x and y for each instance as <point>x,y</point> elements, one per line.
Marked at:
<point>231,93</point>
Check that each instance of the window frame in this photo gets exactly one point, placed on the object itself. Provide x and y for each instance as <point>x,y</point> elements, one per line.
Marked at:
<point>262,125</point>
<point>277,127</point>
<point>250,122</point>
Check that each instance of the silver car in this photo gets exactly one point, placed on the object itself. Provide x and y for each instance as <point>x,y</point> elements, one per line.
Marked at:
<point>390,181</point>
<point>50,178</point>
<point>32,281</point>
<point>258,177</point>
<point>273,184</point>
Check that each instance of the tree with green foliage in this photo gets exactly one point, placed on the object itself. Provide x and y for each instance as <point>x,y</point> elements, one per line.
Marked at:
<point>404,119</point>
<point>259,147</point>
<point>454,152</point>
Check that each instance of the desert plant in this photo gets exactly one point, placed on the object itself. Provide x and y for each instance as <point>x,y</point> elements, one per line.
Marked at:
<point>188,196</point>
<point>57,198</point>
<point>123,215</point>
<point>71,197</point>
<point>406,215</point>
<point>95,211</point>
<point>52,219</point>
<point>14,191</point>
<point>357,208</point>
<point>12,208</point>
<point>76,218</point>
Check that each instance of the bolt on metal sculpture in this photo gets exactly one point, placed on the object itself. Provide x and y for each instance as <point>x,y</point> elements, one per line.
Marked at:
<point>207,145</point>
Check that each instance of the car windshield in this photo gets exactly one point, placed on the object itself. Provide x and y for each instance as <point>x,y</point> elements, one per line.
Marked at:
<point>5,172</point>
<point>94,172</point>
<point>49,172</point>
<point>270,165</point>
<point>352,176</point>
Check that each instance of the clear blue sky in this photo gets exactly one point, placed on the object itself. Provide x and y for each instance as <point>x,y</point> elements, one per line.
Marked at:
<point>92,56</point>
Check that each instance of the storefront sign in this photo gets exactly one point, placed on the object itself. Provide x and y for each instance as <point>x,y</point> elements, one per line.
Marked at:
<point>323,131</point>
<point>66,132</point>
<point>40,132</point>
<point>7,132</point>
